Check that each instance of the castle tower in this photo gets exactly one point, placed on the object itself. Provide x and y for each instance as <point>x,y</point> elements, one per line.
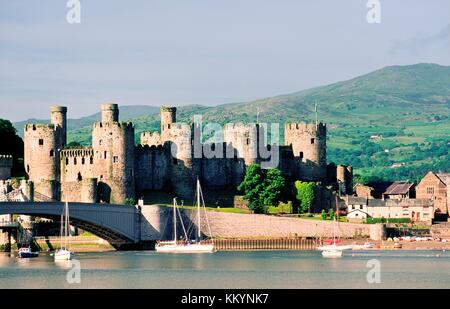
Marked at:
<point>244,140</point>
<point>185,168</point>
<point>110,113</point>
<point>6,163</point>
<point>42,143</point>
<point>59,118</point>
<point>168,118</point>
<point>113,146</point>
<point>344,178</point>
<point>308,142</point>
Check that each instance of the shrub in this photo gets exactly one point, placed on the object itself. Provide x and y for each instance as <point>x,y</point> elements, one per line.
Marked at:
<point>130,201</point>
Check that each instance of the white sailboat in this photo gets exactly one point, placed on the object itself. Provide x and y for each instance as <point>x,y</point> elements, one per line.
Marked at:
<point>186,245</point>
<point>63,253</point>
<point>334,250</point>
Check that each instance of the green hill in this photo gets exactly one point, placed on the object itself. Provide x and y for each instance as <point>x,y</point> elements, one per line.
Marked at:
<point>408,107</point>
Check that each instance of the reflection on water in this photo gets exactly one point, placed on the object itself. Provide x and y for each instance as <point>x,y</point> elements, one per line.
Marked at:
<point>307,269</point>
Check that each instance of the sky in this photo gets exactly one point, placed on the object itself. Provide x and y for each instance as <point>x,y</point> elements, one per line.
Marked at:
<point>168,52</point>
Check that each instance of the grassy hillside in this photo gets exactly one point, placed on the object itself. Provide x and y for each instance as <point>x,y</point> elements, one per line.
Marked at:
<point>407,107</point>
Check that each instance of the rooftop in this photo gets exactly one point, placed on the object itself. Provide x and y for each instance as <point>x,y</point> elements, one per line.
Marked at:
<point>399,187</point>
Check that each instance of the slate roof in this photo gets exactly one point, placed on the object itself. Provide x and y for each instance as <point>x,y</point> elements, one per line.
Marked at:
<point>399,188</point>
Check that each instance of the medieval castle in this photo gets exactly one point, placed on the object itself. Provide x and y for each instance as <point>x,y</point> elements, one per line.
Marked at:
<point>113,169</point>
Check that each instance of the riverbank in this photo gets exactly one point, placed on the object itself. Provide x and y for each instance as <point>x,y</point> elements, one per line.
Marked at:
<point>95,244</point>
<point>77,244</point>
<point>412,246</point>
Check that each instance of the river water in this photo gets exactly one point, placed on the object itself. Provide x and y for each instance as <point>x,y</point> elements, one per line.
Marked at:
<point>263,269</point>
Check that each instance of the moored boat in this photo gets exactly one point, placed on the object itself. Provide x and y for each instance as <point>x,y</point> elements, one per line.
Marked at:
<point>63,253</point>
<point>188,246</point>
<point>25,253</point>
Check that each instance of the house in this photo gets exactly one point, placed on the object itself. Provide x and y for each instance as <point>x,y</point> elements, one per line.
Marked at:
<point>356,208</point>
<point>435,187</point>
<point>399,190</point>
<point>359,209</point>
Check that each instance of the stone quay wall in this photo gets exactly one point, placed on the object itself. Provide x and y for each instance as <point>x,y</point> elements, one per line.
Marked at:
<point>157,224</point>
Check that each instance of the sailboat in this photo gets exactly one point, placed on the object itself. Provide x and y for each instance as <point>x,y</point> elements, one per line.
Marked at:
<point>63,253</point>
<point>333,250</point>
<point>188,246</point>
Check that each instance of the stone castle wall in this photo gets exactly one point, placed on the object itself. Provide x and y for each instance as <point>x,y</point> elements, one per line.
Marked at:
<point>151,139</point>
<point>77,164</point>
<point>84,191</point>
<point>6,163</point>
<point>152,168</point>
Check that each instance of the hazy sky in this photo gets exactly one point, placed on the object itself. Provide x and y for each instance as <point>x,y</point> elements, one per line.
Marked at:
<point>201,51</point>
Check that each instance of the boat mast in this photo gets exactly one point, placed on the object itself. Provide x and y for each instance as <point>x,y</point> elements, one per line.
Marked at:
<point>61,232</point>
<point>174,220</point>
<point>198,210</point>
<point>66,232</point>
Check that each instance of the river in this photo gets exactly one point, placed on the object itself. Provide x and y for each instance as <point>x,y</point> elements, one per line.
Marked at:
<point>263,269</point>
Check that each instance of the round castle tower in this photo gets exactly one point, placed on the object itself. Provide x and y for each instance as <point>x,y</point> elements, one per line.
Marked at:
<point>168,119</point>
<point>309,144</point>
<point>42,145</point>
<point>243,140</point>
<point>113,146</point>
<point>59,118</point>
<point>110,113</point>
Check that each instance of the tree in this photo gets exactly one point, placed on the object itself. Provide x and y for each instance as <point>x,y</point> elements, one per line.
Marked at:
<point>252,188</point>
<point>262,188</point>
<point>273,187</point>
<point>11,144</point>
<point>74,145</point>
<point>305,194</point>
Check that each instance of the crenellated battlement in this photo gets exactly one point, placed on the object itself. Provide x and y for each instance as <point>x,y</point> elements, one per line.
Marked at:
<point>151,138</point>
<point>80,152</point>
<point>41,127</point>
<point>241,126</point>
<point>310,128</point>
<point>6,161</point>
<point>150,148</point>
<point>169,109</point>
<point>111,125</point>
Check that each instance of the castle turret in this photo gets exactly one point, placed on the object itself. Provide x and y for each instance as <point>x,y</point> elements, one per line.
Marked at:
<point>113,146</point>
<point>59,118</point>
<point>42,143</point>
<point>168,118</point>
<point>308,142</point>
<point>6,163</point>
<point>110,113</point>
<point>244,140</point>
<point>344,178</point>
